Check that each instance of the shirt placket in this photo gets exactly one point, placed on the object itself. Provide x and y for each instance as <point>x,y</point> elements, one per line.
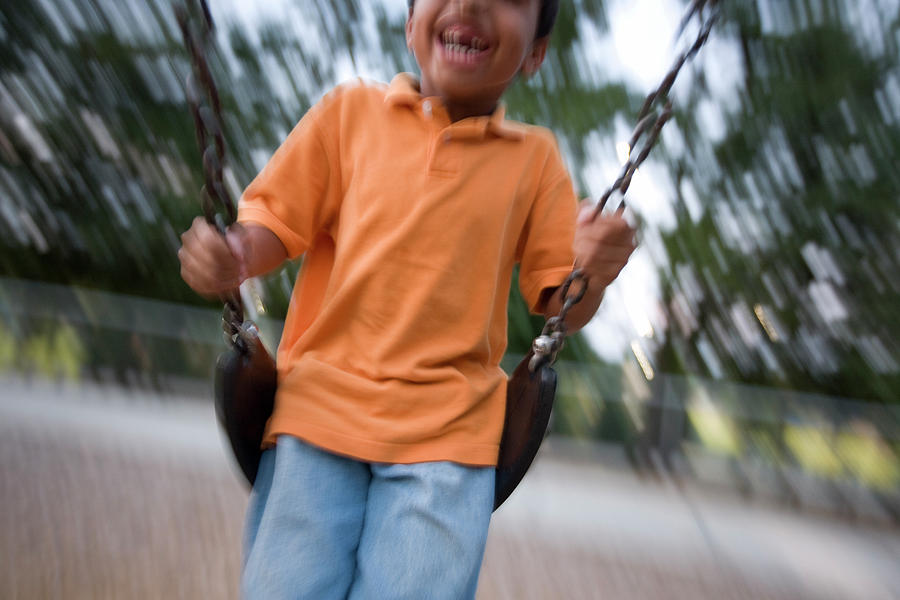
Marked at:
<point>443,155</point>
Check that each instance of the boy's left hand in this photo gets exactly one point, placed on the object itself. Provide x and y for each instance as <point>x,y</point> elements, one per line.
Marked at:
<point>602,246</point>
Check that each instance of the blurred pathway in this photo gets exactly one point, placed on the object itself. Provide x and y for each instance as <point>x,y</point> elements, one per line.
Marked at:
<point>108,493</point>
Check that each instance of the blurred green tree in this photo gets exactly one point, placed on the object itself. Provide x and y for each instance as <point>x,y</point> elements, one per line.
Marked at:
<point>782,266</point>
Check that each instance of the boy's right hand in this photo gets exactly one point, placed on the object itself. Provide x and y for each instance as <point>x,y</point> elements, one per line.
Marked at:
<point>210,264</point>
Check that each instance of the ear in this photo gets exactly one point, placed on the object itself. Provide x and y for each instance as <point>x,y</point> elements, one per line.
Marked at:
<point>409,28</point>
<point>535,56</point>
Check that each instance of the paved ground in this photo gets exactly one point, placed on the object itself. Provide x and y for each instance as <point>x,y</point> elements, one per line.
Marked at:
<point>112,494</point>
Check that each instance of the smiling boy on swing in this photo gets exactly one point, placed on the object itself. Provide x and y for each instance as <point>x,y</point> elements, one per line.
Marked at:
<point>412,203</point>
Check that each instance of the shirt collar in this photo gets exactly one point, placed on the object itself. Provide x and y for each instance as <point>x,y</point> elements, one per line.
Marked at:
<point>404,91</point>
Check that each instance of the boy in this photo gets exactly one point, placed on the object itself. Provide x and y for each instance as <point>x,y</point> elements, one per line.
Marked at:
<point>412,203</point>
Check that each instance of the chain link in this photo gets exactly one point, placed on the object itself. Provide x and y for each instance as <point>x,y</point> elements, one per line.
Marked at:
<point>196,24</point>
<point>651,119</point>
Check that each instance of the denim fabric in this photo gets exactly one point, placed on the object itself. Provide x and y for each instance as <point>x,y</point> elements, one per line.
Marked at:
<point>323,526</point>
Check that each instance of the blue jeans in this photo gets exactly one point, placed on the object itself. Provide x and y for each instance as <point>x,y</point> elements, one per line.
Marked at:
<point>323,526</point>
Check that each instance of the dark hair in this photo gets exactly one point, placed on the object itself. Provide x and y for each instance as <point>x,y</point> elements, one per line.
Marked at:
<point>546,17</point>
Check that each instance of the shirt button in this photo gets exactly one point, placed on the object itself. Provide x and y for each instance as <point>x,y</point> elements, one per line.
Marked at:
<point>426,108</point>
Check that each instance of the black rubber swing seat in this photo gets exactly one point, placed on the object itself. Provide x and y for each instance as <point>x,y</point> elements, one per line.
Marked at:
<point>245,385</point>
<point>245,396</point>
<point>529,401</point>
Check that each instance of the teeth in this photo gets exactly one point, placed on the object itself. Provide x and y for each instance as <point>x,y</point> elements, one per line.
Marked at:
<point>452,40</point>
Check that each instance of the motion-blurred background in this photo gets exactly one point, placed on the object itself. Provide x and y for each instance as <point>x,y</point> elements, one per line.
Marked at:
<point>728,426</point>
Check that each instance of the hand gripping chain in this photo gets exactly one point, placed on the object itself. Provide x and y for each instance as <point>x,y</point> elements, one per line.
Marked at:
<point>195,22</point>
<point>651,120</point>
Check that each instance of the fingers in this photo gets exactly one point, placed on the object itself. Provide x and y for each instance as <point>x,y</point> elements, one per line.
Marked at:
<point>609,230</point>
<point>208,264</point>
<point>206,281</point>
<point>603,247</point>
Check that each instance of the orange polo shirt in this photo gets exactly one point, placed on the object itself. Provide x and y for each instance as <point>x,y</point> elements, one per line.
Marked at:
<point>411,226</point>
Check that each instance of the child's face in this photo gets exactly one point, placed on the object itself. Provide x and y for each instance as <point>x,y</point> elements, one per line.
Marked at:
<point>469,51</point>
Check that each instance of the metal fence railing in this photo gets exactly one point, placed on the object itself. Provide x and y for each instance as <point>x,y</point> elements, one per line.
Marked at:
<point>808,450</point>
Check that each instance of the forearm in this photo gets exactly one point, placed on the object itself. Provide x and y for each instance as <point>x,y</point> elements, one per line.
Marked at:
<point>582,312</point>
<point>262,250</point>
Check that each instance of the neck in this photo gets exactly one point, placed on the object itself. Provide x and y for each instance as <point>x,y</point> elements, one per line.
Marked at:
<point>458,110</point>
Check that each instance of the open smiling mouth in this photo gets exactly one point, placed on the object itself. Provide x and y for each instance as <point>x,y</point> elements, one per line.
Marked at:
<point>462,47</point>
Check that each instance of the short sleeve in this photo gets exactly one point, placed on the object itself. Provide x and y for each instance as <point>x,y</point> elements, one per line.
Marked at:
<point>546,256</point>
<point>298,192</point>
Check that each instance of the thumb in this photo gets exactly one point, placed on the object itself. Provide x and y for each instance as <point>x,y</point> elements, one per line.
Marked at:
<point>585,211</point>
<point>235,239</point>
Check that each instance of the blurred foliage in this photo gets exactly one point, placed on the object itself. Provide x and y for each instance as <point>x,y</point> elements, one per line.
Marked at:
<point>782,268</point>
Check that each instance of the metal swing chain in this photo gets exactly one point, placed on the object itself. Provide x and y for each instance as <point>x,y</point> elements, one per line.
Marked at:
<point>196,24</point>
<point>651,120</point>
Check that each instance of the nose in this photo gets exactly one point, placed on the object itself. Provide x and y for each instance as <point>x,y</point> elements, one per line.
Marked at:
<point>470,6</point>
